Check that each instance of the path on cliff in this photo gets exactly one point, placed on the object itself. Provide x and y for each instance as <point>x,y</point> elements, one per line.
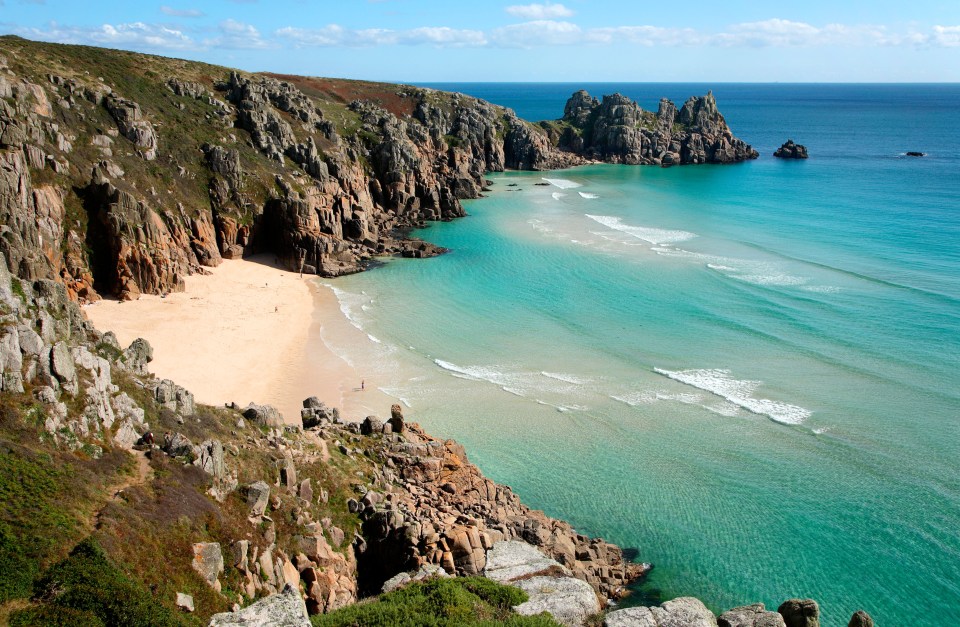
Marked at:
<point>143,474</point>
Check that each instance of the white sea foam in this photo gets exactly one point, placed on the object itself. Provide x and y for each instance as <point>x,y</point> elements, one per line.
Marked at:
<point>566,378</point>
<point>821,430</point>
<point>587,195</point>
<point>648,397</point>
<point>563,183</point>
<point>771,278</point>
<point>648,234</point>
<point>738,392</point>
<point>373,339</point>
<point>557,195</point>
<point>396,394</point>
<point>345,307</point>
<point>822,289</point>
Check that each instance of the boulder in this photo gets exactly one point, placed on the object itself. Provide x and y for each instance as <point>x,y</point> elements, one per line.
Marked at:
<point>137,356</point>
<point>680,612</point>
<point>570,601</point>
<point>800,613</point>
<point>211,459</point>
<point>371,425</point>
<point>208,562</point>
<point>263,415</point>
<point>755,615</point>
<point>396,419</point>
<point>185,602</point>
<point>258,497</point>
<point>426,571</point>
<point>177,445</point>
<point>61,362</point>
<point>510,559</point>
<point>860,619</point>
<point>285,609</point>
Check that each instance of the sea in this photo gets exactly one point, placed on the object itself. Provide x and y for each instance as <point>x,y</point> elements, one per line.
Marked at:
<point>748,375</point>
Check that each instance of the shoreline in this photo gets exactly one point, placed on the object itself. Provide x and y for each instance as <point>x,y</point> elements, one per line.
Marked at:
<point>245,331</point>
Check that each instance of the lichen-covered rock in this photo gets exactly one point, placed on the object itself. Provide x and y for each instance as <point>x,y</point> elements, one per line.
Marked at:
<point>511,559</point>
<point>680,612</point>
<point>258,497</point>
<point>570,601</point>
<point>208,562</point>
<point>285,609</point>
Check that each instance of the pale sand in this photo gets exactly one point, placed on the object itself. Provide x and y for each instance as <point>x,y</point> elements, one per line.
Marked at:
<point>247,332</point>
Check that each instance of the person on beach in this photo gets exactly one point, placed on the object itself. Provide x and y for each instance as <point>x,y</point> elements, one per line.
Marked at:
<point>363,384</point>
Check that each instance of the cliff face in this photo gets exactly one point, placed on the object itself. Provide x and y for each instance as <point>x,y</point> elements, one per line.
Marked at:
<point>617,130</point>
<point>122,173</point>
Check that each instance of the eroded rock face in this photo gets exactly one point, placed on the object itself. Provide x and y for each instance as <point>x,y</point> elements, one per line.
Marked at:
<point>416,526</point>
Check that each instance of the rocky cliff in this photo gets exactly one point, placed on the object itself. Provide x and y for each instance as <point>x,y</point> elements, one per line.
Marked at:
<point>616,130</point>
<point>122,173</point>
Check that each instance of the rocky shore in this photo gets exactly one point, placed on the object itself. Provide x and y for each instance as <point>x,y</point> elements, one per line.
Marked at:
<point>120,174</point>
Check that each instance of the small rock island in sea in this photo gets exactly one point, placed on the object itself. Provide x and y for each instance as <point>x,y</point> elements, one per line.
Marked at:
<point>790,150</point>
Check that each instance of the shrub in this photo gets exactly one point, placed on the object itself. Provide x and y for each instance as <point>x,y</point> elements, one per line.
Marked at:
<point>88,585</point>
<point>455,602</point>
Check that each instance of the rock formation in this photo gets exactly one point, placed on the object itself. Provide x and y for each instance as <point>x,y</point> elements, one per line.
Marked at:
<point>790,150</point>
<point>616,130</point>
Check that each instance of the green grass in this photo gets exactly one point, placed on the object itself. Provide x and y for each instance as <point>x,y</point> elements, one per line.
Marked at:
<point>45,499</point>
<point>457,602</point>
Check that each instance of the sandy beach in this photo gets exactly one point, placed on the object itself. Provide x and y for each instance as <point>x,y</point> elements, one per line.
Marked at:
<point>248,331</point>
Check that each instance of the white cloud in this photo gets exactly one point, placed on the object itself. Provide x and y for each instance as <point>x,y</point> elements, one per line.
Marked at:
<point>181,12</point>
<point>545,11</point>
<point>946,36</point>
<point>537,33</point>
<point>135,35</point>
<point>335,35</point>
<point>234,34</point>
<point>645,36</point>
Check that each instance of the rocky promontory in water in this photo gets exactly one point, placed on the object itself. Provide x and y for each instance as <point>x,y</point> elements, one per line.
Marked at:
<point>617,130</point>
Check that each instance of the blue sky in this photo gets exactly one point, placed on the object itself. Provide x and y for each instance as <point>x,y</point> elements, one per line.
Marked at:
<point>576,40</point>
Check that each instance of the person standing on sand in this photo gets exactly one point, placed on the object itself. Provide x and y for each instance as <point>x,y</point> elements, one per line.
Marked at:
<point>363,385</point>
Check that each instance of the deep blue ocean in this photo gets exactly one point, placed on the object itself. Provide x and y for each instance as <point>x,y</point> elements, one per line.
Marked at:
<point>747,373</point>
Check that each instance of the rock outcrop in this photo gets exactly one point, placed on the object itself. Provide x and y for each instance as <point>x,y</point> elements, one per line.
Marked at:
<point>790,150</point>
<point>616,130</point>
<point>680,612</point>
<point>284,609</point>
<point>800,613</point>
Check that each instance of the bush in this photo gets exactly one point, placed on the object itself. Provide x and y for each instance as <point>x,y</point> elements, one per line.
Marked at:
<point>456,602</point>
<point>88,586</point>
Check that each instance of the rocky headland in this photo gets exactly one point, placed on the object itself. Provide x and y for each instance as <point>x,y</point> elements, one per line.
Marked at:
<point>125,501</point>
<point>122,173</point>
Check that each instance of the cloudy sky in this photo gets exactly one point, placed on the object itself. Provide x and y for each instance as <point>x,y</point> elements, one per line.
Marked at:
<point>577,40</point>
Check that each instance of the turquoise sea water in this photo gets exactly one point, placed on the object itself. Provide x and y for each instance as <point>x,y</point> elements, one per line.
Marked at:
<point>748,373</point>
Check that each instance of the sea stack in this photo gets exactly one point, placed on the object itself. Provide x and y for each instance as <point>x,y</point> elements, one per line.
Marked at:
<point>790,150</point>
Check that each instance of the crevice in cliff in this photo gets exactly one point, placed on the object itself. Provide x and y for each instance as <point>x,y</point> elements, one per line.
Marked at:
<point>101,256</point>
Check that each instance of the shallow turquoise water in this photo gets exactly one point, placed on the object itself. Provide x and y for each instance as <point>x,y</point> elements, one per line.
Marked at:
<point>748,372</point>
